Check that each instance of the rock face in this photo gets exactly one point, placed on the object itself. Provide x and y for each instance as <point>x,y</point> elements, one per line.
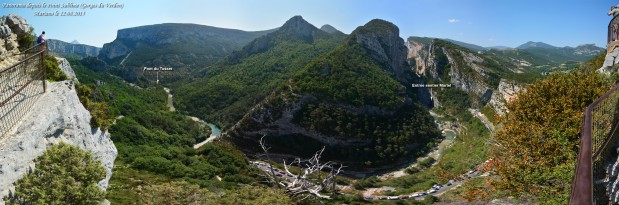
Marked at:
<point>66,68</point>
<point>612,181</point>
<point>420,56</point>
<point>610,61</point>
<point>11,27</point>
<point>65,49</point>
<point>386,46</point>
<point>58,116</point>
<point>504,93</point>
<point>441,61</point>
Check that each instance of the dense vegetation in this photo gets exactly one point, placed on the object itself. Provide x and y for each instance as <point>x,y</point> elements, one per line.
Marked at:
<point>349,75</point>
<point>95,102</point>
<point>63,174</point>
<point>25,40</point>
<point>185,193</point>
<point>233,86</point>
<point>153,142</point>
<point>410,131</point>
<point>52,69</point>
<point>350,94</point>
<point>536,148</point>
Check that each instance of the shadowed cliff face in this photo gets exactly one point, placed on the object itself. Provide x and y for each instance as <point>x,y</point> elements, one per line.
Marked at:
<point>356,100</point>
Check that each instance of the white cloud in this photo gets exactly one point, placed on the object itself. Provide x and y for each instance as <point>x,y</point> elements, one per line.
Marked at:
<point>453,20</point>
<point>492,39</point>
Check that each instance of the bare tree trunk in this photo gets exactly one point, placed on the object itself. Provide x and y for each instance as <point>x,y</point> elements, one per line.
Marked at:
<point>309,181</point>
<point>266,152</point>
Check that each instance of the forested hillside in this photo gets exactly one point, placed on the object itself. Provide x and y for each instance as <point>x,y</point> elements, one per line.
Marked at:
<point>234,85</point>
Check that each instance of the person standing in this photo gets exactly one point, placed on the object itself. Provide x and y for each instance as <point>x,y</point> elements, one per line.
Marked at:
<point>41,41</point>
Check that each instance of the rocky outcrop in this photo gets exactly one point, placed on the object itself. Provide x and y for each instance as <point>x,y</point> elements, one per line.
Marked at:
<point>610,62</point>
<point>461,77</point>
<point>506,92</point>
<point>65,49</point>
<point>420,56</point>
<point>113,50</point>
<point>58,116</point>
<point>11,28</point>
<point>387,47</point>
<point>66,68</point>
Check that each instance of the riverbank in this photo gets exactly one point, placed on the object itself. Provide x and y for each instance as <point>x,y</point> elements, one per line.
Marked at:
<point>215,131</point>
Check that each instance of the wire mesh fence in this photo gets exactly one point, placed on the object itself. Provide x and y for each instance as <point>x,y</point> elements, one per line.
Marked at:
<point>597,150</point>
<point>20,86</point>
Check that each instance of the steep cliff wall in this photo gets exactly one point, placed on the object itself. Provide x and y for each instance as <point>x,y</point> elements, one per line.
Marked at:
<point>441,61</point>
<point>57,117</point>
<point>65,49</point>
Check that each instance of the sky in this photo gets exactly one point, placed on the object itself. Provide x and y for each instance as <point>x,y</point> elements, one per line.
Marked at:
<point>481,22</point>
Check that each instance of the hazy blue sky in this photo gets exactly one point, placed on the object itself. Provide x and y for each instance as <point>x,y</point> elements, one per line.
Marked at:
<point>481,22</point>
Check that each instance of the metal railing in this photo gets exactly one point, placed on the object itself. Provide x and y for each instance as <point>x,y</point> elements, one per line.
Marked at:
<point>20,86</point>
<point>597,143</point>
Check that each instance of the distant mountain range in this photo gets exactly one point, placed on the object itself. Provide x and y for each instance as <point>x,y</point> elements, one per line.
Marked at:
<point>183,47</point>
<point>525,46</point>
<point>546,53</point>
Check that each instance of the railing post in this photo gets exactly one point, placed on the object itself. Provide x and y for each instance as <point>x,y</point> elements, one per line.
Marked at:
<point>42,65</point>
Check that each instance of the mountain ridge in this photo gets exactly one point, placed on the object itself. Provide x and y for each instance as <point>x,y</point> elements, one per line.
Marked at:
<point>233,85</point>
<point>186,48</point>
<point>365,80</point>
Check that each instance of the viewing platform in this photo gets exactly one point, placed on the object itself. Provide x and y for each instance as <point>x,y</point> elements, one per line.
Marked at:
<point>20,86</point>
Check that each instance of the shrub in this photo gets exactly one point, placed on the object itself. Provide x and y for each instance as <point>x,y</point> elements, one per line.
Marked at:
<point>64,173</point>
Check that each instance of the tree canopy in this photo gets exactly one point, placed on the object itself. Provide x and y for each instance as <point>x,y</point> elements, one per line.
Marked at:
<point>535,151</point>
<point>64,174</point>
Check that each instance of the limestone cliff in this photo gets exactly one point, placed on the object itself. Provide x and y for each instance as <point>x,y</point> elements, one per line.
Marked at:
<point>64,49</point>
<point>58,116</point>
<point>11,28</point>
<point>610,63</point>
<point>445,62</point>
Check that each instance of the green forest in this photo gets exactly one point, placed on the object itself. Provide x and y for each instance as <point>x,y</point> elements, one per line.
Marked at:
<point>151,138</point>
<point>233,86</point>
